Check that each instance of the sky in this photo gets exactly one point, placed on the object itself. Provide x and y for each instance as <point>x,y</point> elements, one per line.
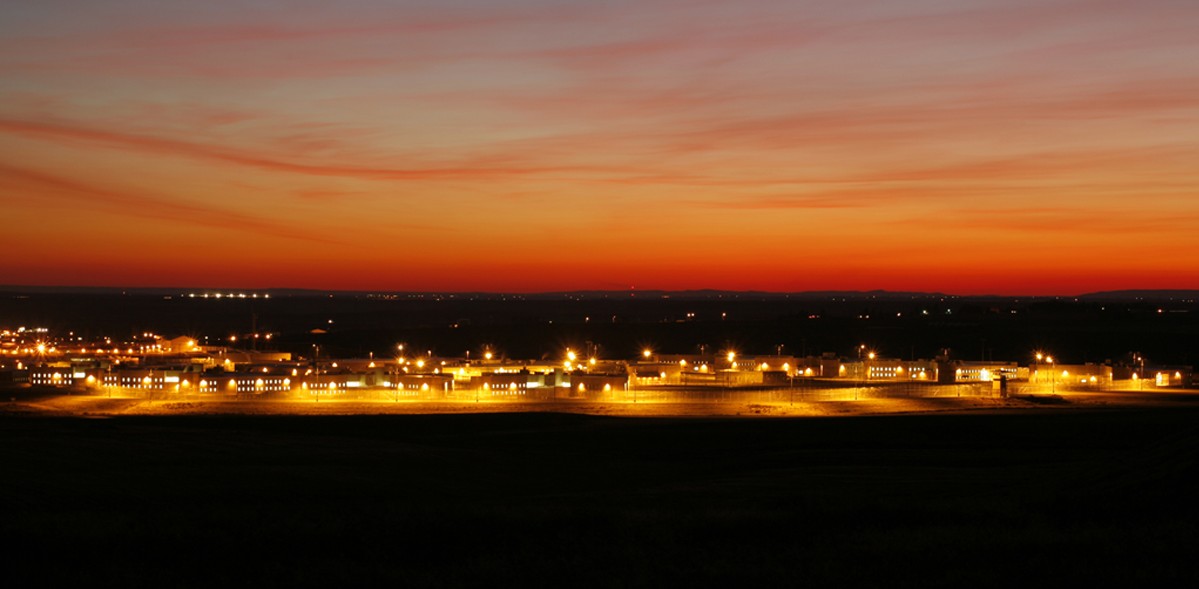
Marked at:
<point>966,146</point>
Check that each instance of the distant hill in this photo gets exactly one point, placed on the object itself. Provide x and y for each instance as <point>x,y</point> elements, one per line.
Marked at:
<point>1142,295</point>
<point>697,294</point>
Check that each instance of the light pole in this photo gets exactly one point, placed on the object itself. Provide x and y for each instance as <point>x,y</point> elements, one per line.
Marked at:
<point>1052,376</point>
<point>861,362</point>
<point>1036,365</point>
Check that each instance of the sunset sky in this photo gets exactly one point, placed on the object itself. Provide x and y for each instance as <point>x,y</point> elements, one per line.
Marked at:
<point>966,146</point>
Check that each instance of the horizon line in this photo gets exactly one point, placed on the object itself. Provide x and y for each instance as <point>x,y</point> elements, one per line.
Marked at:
<point>197,290</point>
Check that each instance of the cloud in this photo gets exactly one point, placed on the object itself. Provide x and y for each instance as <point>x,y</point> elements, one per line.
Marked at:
<point>778,202</point>
<point>37,185</point>
<point>1045,165</point>
<point>1057,221</point>
<point>174,147</point>
<point>302,44</point>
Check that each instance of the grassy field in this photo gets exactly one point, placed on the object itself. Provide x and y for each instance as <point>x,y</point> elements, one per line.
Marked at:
<point>1098,496</point>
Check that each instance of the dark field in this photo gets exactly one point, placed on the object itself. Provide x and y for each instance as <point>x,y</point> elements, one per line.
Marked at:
<point>1061,498</point>
<point>619,326</point>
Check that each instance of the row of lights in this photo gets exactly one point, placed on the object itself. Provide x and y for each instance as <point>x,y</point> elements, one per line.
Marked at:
<point>218,295</point>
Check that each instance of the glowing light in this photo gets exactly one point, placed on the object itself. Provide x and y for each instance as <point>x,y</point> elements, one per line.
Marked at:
<point>647,353</point>
<point>570,355</point>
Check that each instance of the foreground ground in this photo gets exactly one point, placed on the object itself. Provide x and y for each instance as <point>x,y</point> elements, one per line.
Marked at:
<point>797,403</point>
<point>1061,491</point>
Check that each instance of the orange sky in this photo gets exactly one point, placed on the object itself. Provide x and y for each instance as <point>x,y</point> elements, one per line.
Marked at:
<point>976,146</point>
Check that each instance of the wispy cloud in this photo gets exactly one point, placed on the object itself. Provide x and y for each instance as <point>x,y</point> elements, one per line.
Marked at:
<point>174,147</point>
<point>28,187</point>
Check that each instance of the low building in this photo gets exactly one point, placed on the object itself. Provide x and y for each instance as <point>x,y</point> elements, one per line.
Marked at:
<point>598,386</point>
